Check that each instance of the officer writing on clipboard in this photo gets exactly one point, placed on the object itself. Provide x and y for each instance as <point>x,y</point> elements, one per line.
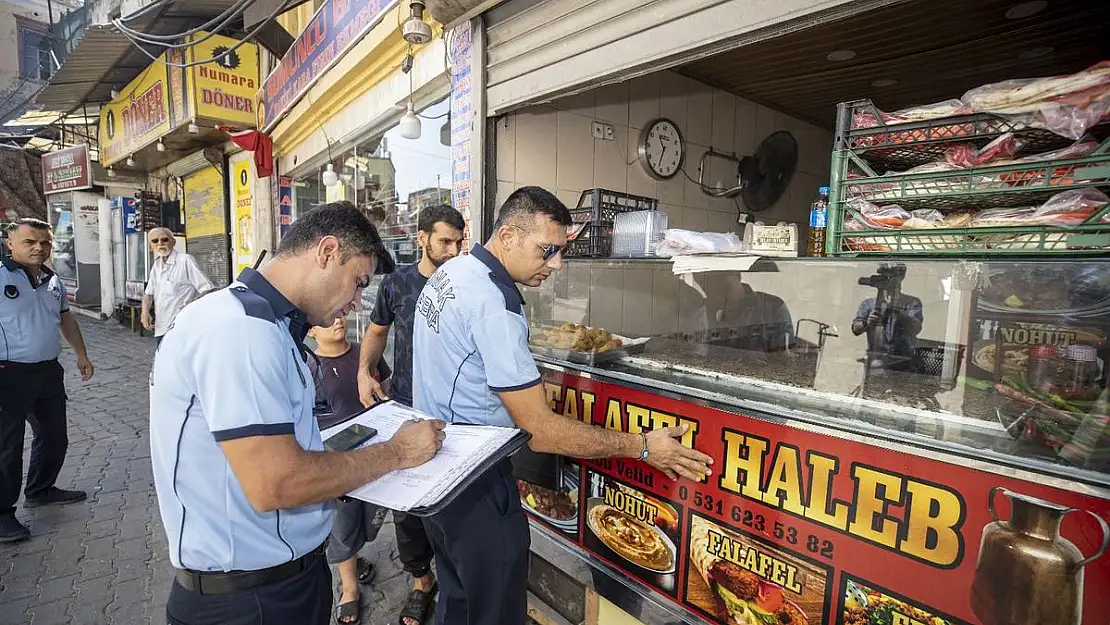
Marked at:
<point>470,353</point>
<point>244,487</point>
<point>32,310</point>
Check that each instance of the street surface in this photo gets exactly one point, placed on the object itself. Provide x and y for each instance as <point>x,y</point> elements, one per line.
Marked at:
<point>104,561</point>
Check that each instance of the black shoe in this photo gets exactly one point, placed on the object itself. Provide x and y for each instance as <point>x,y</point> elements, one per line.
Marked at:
<point>55,496</point>
<point>11,530</point>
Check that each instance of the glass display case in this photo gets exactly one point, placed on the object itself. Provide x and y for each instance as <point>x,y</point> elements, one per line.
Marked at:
<point>999,360</point>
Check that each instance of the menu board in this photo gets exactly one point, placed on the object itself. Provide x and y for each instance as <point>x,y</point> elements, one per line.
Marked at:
<point>797,527</point>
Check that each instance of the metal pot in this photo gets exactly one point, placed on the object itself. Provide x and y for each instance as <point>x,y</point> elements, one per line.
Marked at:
<point>1027,573</point>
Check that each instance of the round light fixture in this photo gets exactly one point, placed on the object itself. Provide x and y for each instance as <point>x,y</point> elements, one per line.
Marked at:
<point>111,173</point>
<point>130,161</point>
<point>330,178</point>
<point>884,82</point>
<point>841,55</point>
<point>410,124</point>
<point>1036,53</point>
<point>1026,9</point>
<point>161,147</point>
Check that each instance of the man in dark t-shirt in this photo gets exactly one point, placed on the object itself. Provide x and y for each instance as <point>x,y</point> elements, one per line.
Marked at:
<point>440,236</point>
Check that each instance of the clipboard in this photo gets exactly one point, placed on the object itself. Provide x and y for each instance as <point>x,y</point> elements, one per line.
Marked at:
<point>518,442</point>
<point>469,452</point>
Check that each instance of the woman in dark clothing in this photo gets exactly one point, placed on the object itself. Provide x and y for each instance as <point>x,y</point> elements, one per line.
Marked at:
<point>335,370</point>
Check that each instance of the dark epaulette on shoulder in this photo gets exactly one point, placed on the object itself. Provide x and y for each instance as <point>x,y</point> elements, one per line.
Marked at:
<point>253,304</point>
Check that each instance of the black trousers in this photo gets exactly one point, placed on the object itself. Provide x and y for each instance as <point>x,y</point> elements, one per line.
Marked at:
<point>481,543</point>
<point>414,549</point>
<point>35,393</point>
<point>304,599</point>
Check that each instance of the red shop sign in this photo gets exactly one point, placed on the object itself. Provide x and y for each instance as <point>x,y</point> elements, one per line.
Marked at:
<point>800,527</point>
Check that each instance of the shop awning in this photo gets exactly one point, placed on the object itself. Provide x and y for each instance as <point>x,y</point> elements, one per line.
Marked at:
<point>450,12</point>
<point>104,59</point>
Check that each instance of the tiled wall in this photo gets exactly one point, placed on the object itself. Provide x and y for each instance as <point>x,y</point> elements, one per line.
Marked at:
<point>551,146</point>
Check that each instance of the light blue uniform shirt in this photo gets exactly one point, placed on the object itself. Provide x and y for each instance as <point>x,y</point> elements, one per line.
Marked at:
<point>470,342</point>
<point>231,366</point>
<point>30,315</point>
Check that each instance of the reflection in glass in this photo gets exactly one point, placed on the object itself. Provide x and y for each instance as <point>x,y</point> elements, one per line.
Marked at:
<point>65,252</point>
<point>1005,356</point>
<point>391,179</point>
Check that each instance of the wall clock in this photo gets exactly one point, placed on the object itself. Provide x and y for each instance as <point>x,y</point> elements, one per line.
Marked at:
<point>661,150</point>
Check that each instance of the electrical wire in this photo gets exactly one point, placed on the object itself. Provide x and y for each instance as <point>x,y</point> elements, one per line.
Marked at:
<point>236,9</point>
<point>157,4</point>
<point>277,11</point>
<point>215,26</point>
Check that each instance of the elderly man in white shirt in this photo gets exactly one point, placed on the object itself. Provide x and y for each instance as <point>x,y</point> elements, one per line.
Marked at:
<point>174,281</point>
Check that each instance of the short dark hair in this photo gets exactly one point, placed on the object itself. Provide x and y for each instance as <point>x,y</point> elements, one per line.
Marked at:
<point>30,222</point>
<point>344,221</point>
<point>433,215</point>
<point>526,202</point>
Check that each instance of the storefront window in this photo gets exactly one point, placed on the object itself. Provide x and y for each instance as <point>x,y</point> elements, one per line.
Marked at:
<point>65,258</point>
<point>391,179</point>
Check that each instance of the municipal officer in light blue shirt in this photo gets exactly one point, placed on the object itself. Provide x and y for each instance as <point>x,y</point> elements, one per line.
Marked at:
<point>471,365</point>
<point>244,487</point>
<point>33,308</point>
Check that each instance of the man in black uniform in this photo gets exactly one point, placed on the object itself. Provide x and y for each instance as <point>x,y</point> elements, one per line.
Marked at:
<point>440,237</point>
<point>32,388</point>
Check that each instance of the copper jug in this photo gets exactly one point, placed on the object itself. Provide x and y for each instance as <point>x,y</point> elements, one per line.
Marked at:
<point>1027,573</point>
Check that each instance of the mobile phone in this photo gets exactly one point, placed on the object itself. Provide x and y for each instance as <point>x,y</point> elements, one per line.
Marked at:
<point>350,438</point>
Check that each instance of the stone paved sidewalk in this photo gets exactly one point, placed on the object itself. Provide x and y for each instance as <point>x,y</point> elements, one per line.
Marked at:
<point>104,562</point>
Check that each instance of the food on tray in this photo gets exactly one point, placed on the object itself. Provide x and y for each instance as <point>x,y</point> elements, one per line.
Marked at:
<point>1052,287</point>
<point>1064,175</point>
<point>551,504</point>
<point>578,338</point>
<point>964,155</point>
<point>866,118</point>
<point>743,598</point>
<point>1068,208</point>
<point>665,516</point>
<point>631,539</point>
<point>1014,359</point>
<point>1067,105</point>
<point>876,217</point>
<point>870,607</point>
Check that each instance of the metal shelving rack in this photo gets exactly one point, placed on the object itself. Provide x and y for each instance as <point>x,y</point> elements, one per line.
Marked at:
<point>865,162</point>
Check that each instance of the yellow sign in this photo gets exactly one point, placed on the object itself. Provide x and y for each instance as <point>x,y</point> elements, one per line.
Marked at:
<point>204,204</point>
<point>225,89</point>
<point>137,118</point>
<point>242,198</point>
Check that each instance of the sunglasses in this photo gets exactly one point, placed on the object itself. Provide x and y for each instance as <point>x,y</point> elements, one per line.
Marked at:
<point>549,251</point>
<point>161,240</point>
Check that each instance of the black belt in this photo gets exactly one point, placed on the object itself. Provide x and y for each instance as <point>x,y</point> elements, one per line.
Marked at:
<point>218,583</point>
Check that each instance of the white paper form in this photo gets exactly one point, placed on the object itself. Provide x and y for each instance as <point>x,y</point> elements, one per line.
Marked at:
<point>465,449</point>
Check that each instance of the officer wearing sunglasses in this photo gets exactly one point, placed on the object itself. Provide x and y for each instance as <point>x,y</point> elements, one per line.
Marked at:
<point>472,365</point>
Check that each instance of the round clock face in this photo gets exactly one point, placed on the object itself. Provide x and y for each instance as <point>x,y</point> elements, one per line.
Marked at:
<point>661,149</point>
